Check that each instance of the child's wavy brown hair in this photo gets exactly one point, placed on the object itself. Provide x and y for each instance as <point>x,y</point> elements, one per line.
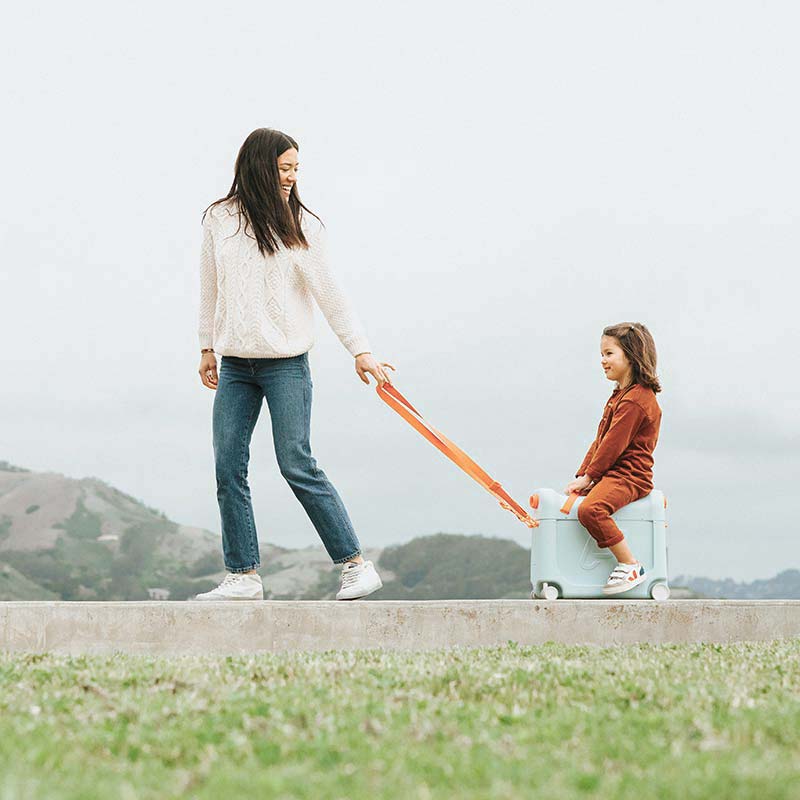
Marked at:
<point>640,349</point>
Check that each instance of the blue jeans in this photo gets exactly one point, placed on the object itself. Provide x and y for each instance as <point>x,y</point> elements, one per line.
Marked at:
<point>286,383</point>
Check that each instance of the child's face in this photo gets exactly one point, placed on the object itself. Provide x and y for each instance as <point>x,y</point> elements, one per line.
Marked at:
<point>614,361</point>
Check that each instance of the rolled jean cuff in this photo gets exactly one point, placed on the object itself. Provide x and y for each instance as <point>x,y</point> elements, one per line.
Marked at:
<point>347,558</point>
<point>243,569</point>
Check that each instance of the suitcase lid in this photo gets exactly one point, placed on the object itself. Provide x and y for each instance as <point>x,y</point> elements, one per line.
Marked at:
<point>547,504</point>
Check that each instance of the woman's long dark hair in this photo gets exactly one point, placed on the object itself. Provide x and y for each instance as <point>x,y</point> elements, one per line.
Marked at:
<point>640,349</point>
<point>257,188</point>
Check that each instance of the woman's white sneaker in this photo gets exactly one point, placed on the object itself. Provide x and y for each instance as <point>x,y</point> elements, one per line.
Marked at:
<point>358,580</point>
<point>624,577</point>
<point>236,586</point>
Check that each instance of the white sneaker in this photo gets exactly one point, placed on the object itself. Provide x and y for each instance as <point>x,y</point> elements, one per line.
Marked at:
<point>236,586</point>
<point>358,580</point>
<point>624,577</point>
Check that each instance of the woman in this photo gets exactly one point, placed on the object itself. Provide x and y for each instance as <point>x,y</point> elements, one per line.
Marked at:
<point>262,261</point>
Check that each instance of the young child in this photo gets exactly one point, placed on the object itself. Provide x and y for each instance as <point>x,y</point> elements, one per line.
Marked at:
<point>618,468</point>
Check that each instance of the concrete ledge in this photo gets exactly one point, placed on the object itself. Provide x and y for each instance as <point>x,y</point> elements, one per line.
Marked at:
<point>196,628</point>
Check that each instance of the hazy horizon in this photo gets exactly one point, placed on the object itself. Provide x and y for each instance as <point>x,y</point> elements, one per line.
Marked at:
<point>497,183</point>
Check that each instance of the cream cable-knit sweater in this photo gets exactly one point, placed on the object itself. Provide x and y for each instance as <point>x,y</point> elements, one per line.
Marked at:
<point>254,306</point>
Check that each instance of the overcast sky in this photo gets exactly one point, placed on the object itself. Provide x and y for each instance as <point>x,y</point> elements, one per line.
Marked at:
<point>499,181</point>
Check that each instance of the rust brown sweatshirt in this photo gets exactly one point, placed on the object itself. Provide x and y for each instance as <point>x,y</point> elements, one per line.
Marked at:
<point>626,438</point>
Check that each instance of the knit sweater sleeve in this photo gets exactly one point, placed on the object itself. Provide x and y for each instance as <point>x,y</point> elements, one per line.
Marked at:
<point>627,419</point>
<point>328,294</point>
<point>208,286</point>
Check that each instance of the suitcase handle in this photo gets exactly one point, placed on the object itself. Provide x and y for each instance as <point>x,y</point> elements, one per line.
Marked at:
<point>395,400</point>
<point>569,502</point>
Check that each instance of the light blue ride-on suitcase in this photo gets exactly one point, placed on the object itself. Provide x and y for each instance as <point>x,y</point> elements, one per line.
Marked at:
<point>566,561</point>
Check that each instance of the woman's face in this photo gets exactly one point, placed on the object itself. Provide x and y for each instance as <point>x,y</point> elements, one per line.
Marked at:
<point>614,361</point>
<point>287,170</point>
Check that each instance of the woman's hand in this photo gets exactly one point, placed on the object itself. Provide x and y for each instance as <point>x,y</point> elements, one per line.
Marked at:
<point>578,485</point>
<point>366,364</point>
<point>208,370</point>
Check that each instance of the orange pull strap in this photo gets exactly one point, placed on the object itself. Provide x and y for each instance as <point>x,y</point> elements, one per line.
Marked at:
<point>569,502</point>
<point>395,400</point>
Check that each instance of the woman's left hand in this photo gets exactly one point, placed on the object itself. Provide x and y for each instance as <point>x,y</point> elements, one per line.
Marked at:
<point>367,364</point>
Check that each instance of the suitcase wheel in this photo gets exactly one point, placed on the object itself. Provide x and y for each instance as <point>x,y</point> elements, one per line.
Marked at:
<point>547,592</point>
<point>659,592</point>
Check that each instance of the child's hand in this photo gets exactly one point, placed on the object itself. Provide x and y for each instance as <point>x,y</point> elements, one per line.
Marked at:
<point>578,485</point>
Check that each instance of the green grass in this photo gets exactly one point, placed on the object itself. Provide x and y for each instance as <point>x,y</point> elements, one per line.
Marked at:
<point>554,722</point>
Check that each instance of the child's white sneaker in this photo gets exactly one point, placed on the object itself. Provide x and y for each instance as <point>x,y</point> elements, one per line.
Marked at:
<point>358,580</point>
<point>236,586</point>
<point>624,577</point>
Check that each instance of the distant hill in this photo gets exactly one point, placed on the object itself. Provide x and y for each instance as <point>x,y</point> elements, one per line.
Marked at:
<point>452,566</point>
<point>784,586</point>
<point>15,586</point>
<point>445,566</point>
<point>82,539</point>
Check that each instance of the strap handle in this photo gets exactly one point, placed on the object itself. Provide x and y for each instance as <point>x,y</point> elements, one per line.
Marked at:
<point>396,401</point>
<point>569,502</point>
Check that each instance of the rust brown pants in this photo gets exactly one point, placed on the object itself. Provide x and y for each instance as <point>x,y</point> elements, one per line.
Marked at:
<point>601,501</point>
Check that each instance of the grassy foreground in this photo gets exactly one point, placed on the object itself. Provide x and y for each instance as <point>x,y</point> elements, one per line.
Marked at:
<point>687,721</point>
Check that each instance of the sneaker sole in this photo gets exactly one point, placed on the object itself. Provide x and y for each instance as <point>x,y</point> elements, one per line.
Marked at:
<point>369,591</point>
<point>224,599</point>
<point>625,587</point>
